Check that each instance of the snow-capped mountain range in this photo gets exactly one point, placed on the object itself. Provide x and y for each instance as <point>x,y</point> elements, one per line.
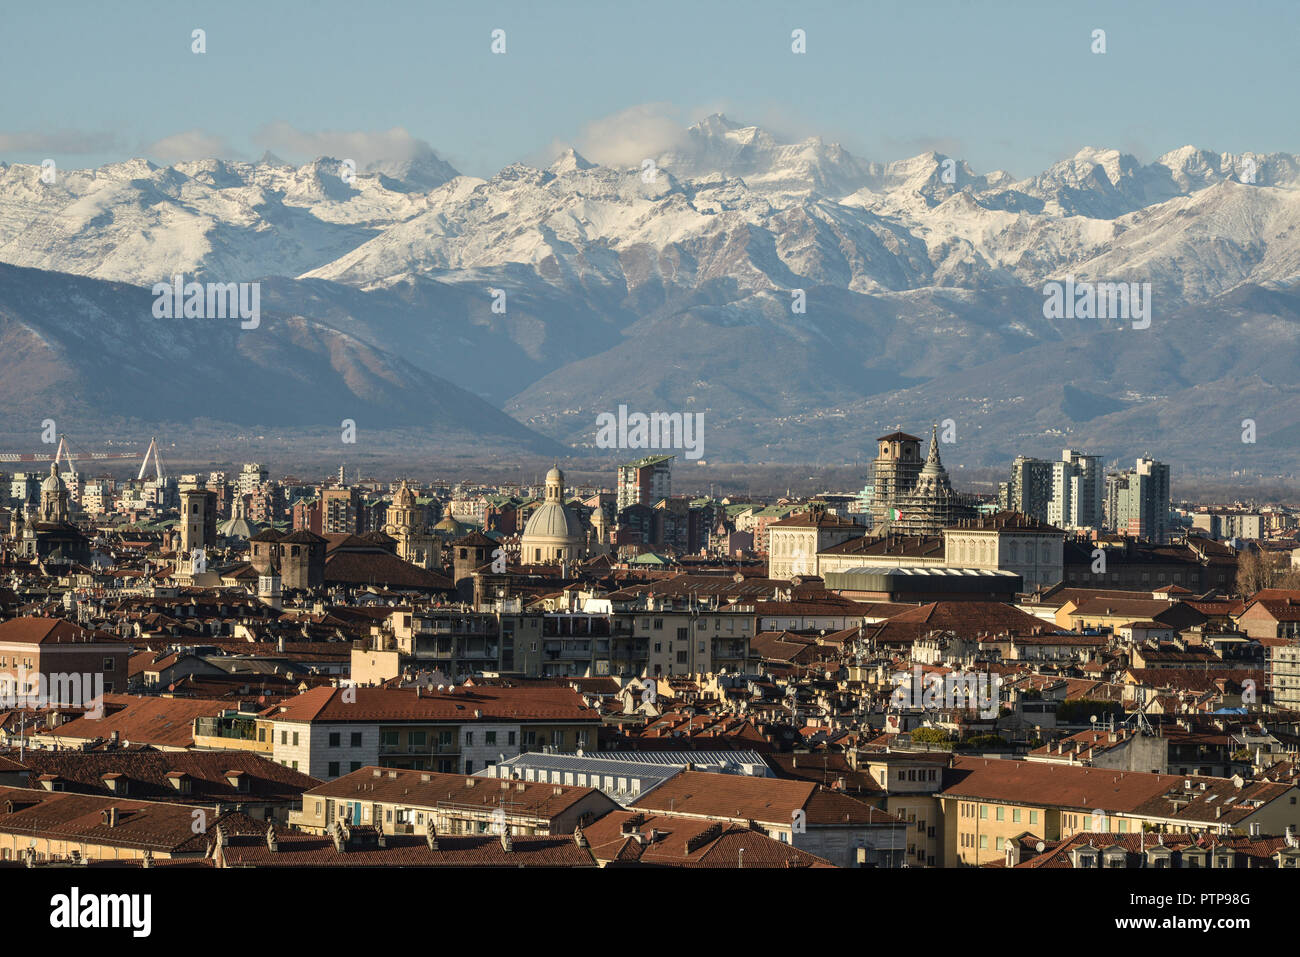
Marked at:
<point>669,286</point>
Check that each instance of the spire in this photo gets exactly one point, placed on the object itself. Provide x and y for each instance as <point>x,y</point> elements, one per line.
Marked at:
<point>933,457</point>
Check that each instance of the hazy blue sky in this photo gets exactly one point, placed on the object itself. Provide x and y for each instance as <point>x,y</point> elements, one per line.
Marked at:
<point>1003,85</point>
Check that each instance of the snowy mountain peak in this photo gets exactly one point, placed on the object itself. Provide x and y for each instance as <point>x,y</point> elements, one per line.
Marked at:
<point>418,174</point>
<point>570,161</point>
<point>716,125</point>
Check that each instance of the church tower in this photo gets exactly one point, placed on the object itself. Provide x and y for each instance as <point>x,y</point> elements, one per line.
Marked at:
<point>54,498</point>
<point>894,473</point>
<point>931,505</point>
<point>405,523</point>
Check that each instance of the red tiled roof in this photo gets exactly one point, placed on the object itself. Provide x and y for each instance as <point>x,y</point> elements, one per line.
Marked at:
<point>431,788</point>
<point>380,568</point>
<point>80,819</point>
<point>764,800</point>
<point>464,705</point>
<point>147,772</point>
<point>296,849</point>
<point>668,840</point>
<point>1058,785</point>
<point>44,631</point>
<point>163,722</point>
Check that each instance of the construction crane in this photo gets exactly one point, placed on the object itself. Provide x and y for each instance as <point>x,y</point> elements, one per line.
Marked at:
<point>157,462</point>
<point>64,453</point>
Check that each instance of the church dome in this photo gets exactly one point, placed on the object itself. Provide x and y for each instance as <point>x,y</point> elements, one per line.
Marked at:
<point>52,481</point>
<point>553,532</point>
<point>450,528</point>
<point>554,523</point>
<point>238,527</point>
<point>404,497</point>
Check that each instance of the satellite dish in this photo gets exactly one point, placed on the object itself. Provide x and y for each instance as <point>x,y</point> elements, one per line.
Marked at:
<point>1040,847</point>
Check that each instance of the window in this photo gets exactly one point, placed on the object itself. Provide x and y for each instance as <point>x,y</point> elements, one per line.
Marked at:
<point>1001,813</point>
<point>356,739</point>
<point>333,772</point>
<point>469,739</point>
<point>334,739</point>
<point>284,737</point>
<point>295,739</point>
<point>108,664</point>
<point>1033,817</point>
<point>510,738</point>
<point>261,735</point>
<point>984,812</point>
<point>490,737</point>
<point>1015,815</point>
<point>354,766</point>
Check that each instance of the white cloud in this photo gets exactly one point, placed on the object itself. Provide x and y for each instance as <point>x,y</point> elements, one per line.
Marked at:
<point>189,145</point>
<point>626,138</point>
<point>361,146</point>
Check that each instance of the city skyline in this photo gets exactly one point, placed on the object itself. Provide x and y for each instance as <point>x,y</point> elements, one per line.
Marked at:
<point>515,452</point>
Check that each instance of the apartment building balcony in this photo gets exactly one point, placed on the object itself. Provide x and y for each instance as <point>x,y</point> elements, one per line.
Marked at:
<point>490,653</point>
<point>235,729</point>
<point>455,627</point>
<point>580,626</point>
<point>419,750</point>
<point>729,649</point>
<point>566,651</point>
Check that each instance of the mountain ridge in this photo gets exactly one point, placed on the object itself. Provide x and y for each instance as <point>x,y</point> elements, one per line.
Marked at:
<point>916,276</point>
